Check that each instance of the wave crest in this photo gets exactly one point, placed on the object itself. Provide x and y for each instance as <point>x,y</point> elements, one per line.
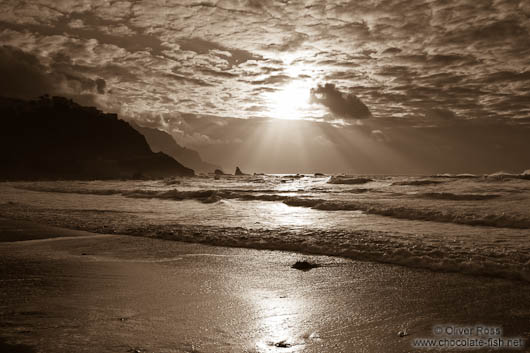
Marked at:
<point>418,182</point>
<point>348,180</point>
<point>500,220</point>
<point>365,245</point>
<point>457,197</point>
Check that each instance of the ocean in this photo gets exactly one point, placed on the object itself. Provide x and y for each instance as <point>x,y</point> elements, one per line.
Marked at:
<point>470,224</point>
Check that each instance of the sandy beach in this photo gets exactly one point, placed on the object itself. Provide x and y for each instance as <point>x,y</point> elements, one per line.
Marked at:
<point>73,291</point>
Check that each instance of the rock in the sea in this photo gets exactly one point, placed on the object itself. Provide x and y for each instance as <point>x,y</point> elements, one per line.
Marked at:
<point>239,172</point>
<point>304,265</point>
<point>218,172</point>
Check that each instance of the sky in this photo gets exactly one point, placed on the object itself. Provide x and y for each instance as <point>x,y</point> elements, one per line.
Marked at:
<point>364,86</point>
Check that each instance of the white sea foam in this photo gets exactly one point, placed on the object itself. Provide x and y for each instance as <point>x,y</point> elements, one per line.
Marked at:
<point>409,221</point>
<point>349,180</point>
<point>337,200</point>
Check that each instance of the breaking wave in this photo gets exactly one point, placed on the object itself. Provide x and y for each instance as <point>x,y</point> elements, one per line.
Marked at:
<point>501,220</point>
<point>456,176</point>
<point>361,245</point>
<point>387,209</point>
<point>348,180</point>
<point>382,209</point>
<point>525,175</point>
<point>418,182</point>
<point>65,190</point>
<point>457,197</point>
<point>506,176</point>
<point>365,245</point>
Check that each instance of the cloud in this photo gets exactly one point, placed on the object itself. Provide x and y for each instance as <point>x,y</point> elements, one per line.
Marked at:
<point>425,68</point>
<point>191,80</point>
<point>274,79</point>
<point>345,106</point>
<point>401,58</point>
<point>77,23</point>
<point>201,46</point>
<point>392,51</point>
<point>100,85</point>
<point>290,43</point>
<point>24,76</point>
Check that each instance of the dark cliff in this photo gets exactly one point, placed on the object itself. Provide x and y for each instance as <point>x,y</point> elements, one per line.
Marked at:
<point>161,141</point>
<point>55,138</point>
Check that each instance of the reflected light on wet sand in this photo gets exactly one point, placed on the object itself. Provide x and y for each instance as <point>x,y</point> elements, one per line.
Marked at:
<point>281,323</point>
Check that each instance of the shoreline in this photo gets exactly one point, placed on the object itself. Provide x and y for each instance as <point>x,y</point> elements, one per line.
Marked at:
<point>78,291</point>
<point>391,251</point>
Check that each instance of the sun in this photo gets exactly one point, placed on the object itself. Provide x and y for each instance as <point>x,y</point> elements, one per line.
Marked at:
<point>289,102</point>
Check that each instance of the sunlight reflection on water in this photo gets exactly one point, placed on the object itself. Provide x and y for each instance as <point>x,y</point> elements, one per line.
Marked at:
<point>281,323</point>
<point>279,214</point>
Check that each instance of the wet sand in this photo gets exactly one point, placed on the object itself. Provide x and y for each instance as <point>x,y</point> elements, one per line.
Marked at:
<point>72,291</point>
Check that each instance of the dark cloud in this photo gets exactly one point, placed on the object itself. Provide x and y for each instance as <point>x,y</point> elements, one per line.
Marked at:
<point>509,76</point>
<point>396,70</point>
<point>217,73</point>
<point>435,61</point>
<point>22,74</point>
<point>94,28</point>
<point>187,79</point>
<point>292,42</point>
<point>75,83</point>
<point>272,80</point>
<point>392,51</point>
<point>443,78</point>
<point>264,89</point>
<point>254,108</point>
<point>345,106</point>
<point>234,56</point>
<point>100,85</point>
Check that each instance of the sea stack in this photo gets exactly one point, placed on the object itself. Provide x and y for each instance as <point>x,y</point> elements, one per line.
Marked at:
<point>239,172</point>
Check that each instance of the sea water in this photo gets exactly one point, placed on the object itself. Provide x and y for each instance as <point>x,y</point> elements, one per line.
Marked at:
<point>471,224</point>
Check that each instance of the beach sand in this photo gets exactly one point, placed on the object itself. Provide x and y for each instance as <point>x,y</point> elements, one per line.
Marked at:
<point>73,291</point>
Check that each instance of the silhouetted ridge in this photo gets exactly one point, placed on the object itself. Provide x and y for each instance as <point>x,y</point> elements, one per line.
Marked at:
<point>161,141</point>
<point>55,138</point>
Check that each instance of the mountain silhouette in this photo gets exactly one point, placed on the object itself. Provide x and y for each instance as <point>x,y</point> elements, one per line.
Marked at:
<point>55,138</point>
<point>161,141</point>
